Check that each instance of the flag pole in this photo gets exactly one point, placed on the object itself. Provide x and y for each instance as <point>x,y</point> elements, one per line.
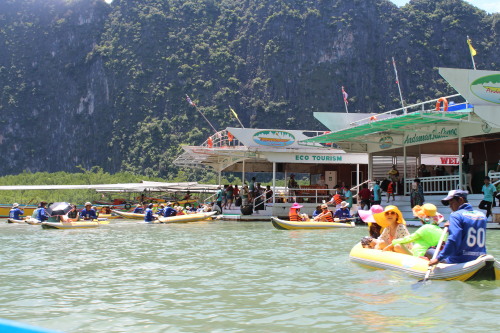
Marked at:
<point>472,52</point>
<point>236,116</point>
<point>344,95</point>
<point>193,104</point>
<point>399,86</point>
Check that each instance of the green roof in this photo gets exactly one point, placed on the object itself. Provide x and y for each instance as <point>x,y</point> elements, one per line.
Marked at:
<point>397,123</point>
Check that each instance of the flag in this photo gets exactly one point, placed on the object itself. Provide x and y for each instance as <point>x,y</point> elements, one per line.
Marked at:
<point>190,101</point>
<point>344,94</point>
<point>234,112</point>
<point>471,49</point>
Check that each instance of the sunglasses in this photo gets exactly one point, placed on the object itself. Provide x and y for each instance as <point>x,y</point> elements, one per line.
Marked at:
<point>390,213</point>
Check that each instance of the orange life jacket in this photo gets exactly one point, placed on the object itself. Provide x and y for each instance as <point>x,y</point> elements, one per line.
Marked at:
<point>293,215</point>
<point>329,216</point>
<point>337,199</point>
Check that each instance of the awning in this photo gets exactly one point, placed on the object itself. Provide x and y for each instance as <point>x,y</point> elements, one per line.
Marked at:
<point>391,125</point>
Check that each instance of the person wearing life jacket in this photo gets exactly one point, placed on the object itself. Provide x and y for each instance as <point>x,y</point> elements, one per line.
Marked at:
<point>294,213</point>
<point>16,212</point>
<point>148,215</point>
<point>88,213</point>
<point>343,212</point>
<point>169,211</point>
<point>42,214</point>
<point>326,215</point>
<point>467,231</point>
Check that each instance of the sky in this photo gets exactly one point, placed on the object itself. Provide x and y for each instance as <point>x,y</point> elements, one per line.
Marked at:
<point>491,6</point>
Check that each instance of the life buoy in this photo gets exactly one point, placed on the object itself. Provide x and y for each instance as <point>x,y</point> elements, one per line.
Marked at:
<point>445,104</point>
<point>128,206</point>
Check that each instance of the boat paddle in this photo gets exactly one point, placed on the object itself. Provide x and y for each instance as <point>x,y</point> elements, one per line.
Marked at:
<point>434,256</point>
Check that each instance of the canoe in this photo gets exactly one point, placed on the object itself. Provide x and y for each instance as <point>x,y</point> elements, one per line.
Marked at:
<point>109,216</point>
<point>9,220</point>
<point>70,225</point>
<point>294,225</point>
<point>130,216</point>
<point>32,220</point>
<point>196,217</point>
<point>483,268</point>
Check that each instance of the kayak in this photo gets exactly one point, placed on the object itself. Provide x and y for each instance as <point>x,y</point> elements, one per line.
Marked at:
<point>9,220</point>
<point>196,217</point>
<point>70,225</point>
<point>32,220</point>
<point>109,216</point>
<point>483,268</point>
<point>311,224</point>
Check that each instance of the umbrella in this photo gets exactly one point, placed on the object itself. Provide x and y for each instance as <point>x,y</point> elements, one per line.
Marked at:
<point>59,208</point>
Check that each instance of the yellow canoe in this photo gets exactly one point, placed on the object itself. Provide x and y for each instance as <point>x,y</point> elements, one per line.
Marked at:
<point>70,225</point>
<point>483,268</point>
<point>127,215</point>
<point>293,225</point>
<point>196,217</point>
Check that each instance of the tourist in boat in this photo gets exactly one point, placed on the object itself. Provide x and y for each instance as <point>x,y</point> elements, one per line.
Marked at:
<point>41,214</point>
<point>73,213</point>
<point>367,216</point>
<point>325,216</point>
<point>426,236</point>
<point>317,211</point>
<point>148,214</point>
<point>343,212</point>
<point>138,209</point>
<point>16,212</point>
<point>489,196</point>
<point>294,213</point>
<point>88,213</point>
<point>416,194</point>
<point>169,211</point>
<point>391,219</point>
<point>467,231</point>
<point>160,210</point>
<point>364,196</point>
<point>377,194</point>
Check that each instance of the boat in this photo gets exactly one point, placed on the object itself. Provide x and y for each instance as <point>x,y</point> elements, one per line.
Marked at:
<point>196,217</point>
<point>70,225</point>
<point>483,268</point>
<point>310,224</point>
<point>9,220</point>
<point>32,221</point>
<point>128,215</point>
<point>109,216</point>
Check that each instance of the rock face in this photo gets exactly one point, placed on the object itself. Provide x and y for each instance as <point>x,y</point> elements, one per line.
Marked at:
<point>87,83</point>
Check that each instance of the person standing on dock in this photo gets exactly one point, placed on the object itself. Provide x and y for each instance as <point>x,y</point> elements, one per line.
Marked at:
<point>16,212</point>
<point>489,192</point>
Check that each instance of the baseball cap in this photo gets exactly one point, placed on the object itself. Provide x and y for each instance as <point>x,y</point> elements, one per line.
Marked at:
<point>454,194</point>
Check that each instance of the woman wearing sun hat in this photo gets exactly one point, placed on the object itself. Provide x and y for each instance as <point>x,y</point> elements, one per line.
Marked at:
<point>294,213</point>
<point>391,219</point>
<point>326,214</point>
<point>426,236</point>
<point>367,217</point>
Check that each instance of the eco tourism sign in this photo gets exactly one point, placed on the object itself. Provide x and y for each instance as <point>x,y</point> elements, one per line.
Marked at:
<point>274,138</point>
<point>487,88</point>
<point>437,134</point>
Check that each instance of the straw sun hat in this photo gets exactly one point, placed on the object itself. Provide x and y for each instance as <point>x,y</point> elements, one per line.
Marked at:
<point>380,217</point>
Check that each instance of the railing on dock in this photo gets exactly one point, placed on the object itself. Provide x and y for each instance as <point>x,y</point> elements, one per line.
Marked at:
<point>435,185</point>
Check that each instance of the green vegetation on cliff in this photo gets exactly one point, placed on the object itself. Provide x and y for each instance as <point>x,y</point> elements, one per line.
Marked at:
<point>86,83</point>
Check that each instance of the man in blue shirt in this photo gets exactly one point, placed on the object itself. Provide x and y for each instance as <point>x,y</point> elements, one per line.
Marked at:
<point>343,212</point>
<point>88,213</point>
<point>377,193</point>
<point>148,215</point>
<point>42,214</point>
<point>16,212</point>
<point>138,209</point>
<point>169,211</point>
<point>467,231</point>
<point>488,190</point>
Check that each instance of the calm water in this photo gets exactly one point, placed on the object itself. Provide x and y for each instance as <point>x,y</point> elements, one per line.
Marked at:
<point>222,277</point>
